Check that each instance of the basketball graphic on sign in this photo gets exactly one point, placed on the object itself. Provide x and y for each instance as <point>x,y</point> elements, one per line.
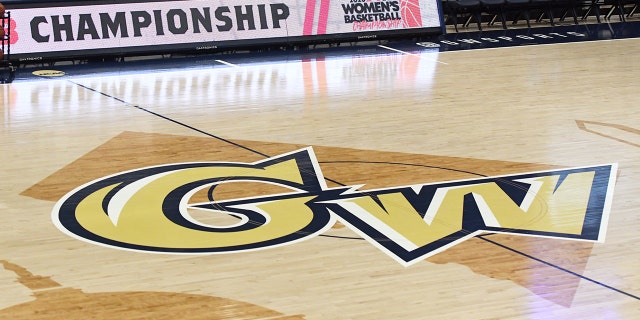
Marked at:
<point>410,11</point>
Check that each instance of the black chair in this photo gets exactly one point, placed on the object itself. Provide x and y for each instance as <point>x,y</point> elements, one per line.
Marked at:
<point>636,5</point>
<point>568,6</point>
<point>519,7</point>
<point>465,8</point>
<point>546,7</point>
<point>495,8</point>
<point>611,5</point>
<point>616,5</point>
<point>592,5</point>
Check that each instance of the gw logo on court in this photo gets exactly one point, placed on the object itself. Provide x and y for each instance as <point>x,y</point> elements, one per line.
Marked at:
<point>151,209</point>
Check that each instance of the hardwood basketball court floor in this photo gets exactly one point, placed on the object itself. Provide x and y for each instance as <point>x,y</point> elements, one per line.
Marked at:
<point>395,181</point>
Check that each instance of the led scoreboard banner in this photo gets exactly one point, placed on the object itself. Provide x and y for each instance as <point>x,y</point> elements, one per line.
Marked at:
<point>68,29</point>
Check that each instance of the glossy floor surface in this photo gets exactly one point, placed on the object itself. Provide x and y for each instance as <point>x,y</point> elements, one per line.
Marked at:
<point>378,116</point>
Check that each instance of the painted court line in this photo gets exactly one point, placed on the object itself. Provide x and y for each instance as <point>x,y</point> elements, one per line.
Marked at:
<point>407,53</point>
<point>228,64</point>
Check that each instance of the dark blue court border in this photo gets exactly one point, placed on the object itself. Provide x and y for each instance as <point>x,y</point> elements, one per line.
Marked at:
<point>534,36</point>
<point>443,43</point>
